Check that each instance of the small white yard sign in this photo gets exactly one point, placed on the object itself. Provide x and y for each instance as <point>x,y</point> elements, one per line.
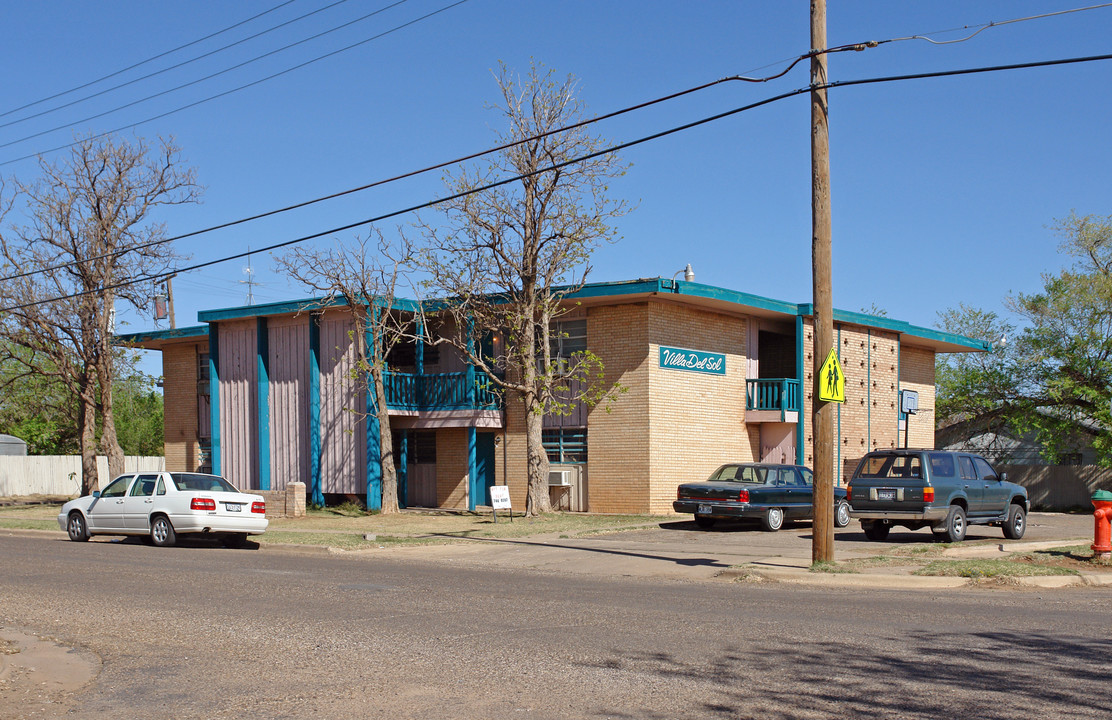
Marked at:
<point>500,497</point>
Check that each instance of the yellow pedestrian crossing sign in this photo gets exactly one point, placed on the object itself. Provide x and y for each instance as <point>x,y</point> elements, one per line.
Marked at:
<point>832,381</point>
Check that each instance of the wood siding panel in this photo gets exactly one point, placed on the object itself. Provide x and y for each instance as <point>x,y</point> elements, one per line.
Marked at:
<point>238,405</point>
<point>343,429</point>
<point>289,401</point>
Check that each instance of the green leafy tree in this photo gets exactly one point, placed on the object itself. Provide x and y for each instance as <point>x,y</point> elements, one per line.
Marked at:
<point>1056,374</point>
<point>1069,339</point>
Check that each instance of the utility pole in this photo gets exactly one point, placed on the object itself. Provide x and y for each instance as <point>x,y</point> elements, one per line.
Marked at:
<point>822,542</point>
<point>170,300</point>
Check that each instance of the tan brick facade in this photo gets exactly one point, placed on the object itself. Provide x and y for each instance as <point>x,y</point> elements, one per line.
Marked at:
<point>917,373</point>
<point>180,433</point>
<point>669,426</point>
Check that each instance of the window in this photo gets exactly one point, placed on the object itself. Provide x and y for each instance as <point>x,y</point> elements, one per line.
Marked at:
<point>565,445</point>
<point>967,471</point>
<point>420,449</point>
<point>145,486</point>
<point>204,416</point>
<point>985,470</point>
<point>942,465</point>
<point>118,487</point>
<point>567,337</point>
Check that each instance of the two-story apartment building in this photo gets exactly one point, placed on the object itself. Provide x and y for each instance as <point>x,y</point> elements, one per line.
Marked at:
<point>265,396</point>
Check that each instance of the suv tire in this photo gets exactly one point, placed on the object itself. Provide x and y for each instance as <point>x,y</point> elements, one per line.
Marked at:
<point>955,524</point>
<point>1016,522</point>
<point>876,530</point>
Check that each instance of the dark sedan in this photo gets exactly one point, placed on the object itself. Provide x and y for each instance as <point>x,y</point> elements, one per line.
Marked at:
<point>769,493</point>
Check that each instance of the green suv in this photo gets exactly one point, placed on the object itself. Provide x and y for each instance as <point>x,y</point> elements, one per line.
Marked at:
<point>945,491</point>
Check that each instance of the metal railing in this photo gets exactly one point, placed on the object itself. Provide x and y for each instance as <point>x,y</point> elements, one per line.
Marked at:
<point>440,391</point>
<point>774,394</point>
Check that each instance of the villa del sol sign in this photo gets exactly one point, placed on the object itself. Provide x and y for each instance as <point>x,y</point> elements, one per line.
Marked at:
<point>692,360</point>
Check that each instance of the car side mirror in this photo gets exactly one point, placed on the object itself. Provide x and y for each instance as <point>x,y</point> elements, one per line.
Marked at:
<point>1003,477</point>
<point>96,493</point>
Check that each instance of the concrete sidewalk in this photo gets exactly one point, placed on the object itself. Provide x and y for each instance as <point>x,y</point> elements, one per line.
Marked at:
<point>618,555</point>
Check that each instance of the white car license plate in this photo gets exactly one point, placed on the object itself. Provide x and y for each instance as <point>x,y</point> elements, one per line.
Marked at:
<point>886,495</point>
<point>704,510</point>
<point>233,507</point>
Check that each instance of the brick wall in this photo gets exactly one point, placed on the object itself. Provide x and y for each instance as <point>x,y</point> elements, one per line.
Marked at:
<point>917,373</point>
<point>618,441</point>
<point>179,370</point>
<point>696,420</point>
<point>869,418</point>
<point>451,468</point>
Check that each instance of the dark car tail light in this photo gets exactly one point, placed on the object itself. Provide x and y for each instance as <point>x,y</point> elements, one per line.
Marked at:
<point>202,504</point>
<point>928,494</point>
<point>849,493</point>
<point>743,496</point>
<point>258,507</point>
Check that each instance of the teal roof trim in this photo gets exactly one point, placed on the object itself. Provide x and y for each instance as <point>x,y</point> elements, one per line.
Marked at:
<point>287,308</point>
<point>195,331</point>
<point>898,326</point>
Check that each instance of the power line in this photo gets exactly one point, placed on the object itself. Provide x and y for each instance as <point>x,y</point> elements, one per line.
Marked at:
<point>226,92</point>
<point>225,71</point>
<point>557,166</point>
<point>144,62</point>
<point>183,63</point>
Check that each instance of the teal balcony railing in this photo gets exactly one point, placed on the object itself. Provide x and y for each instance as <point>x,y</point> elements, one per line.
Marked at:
<point>775,394</point>
<point>441,391</point>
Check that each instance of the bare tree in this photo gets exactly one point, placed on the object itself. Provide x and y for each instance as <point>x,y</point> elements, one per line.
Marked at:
<point>365,276</point>
<point>508,255</point>
<point>86,243</point>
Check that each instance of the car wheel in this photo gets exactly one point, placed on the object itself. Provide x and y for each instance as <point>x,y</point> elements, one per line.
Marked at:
<point>235,540</point>
<point>76,528</point>
<point>773,519</point>
<point>876,530</point>
<point>955,524</point>
<point>162,532</point>
<point>1016,524</point>
<point>841,514</point>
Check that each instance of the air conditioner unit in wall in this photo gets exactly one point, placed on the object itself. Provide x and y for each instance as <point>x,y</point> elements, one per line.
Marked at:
<point>559,478</point>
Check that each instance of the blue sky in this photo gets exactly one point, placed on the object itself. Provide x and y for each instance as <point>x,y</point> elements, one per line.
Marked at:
<point>943,190</point>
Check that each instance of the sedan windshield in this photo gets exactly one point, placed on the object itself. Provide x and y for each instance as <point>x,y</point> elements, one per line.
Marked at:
<point>197,481</point>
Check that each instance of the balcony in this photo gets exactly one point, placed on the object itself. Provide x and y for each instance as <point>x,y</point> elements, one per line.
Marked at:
<point>442,391</point>
<point>772,400</point>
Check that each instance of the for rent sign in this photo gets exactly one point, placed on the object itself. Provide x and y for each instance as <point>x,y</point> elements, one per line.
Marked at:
<point>692,360</point>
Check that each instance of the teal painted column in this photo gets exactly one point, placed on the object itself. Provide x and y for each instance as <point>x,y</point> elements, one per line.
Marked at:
<point>316,495</point>
<point>474,482</point>
<point>800,428</point>
<point>403,470</point>
<point>214,398</point>
<point>374,431</point>
<point>262,365</point>
<point>469,395</point>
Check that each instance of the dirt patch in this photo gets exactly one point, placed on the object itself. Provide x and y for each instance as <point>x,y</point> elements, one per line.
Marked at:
<point>1073,558</point>
<point>40,678</point>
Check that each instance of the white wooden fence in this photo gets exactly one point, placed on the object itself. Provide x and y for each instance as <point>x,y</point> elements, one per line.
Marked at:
<point>59,474</point>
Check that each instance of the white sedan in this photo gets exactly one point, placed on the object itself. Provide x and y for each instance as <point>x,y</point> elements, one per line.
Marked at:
<point>164,505</point>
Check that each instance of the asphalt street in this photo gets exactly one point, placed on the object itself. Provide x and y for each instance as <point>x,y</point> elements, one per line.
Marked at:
<point>205,632</point>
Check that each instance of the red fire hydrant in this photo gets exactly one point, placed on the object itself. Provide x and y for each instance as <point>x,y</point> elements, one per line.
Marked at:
<point>1102,525</point>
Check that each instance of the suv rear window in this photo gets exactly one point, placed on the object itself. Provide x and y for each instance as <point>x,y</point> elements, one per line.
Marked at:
<point>891,466</point>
